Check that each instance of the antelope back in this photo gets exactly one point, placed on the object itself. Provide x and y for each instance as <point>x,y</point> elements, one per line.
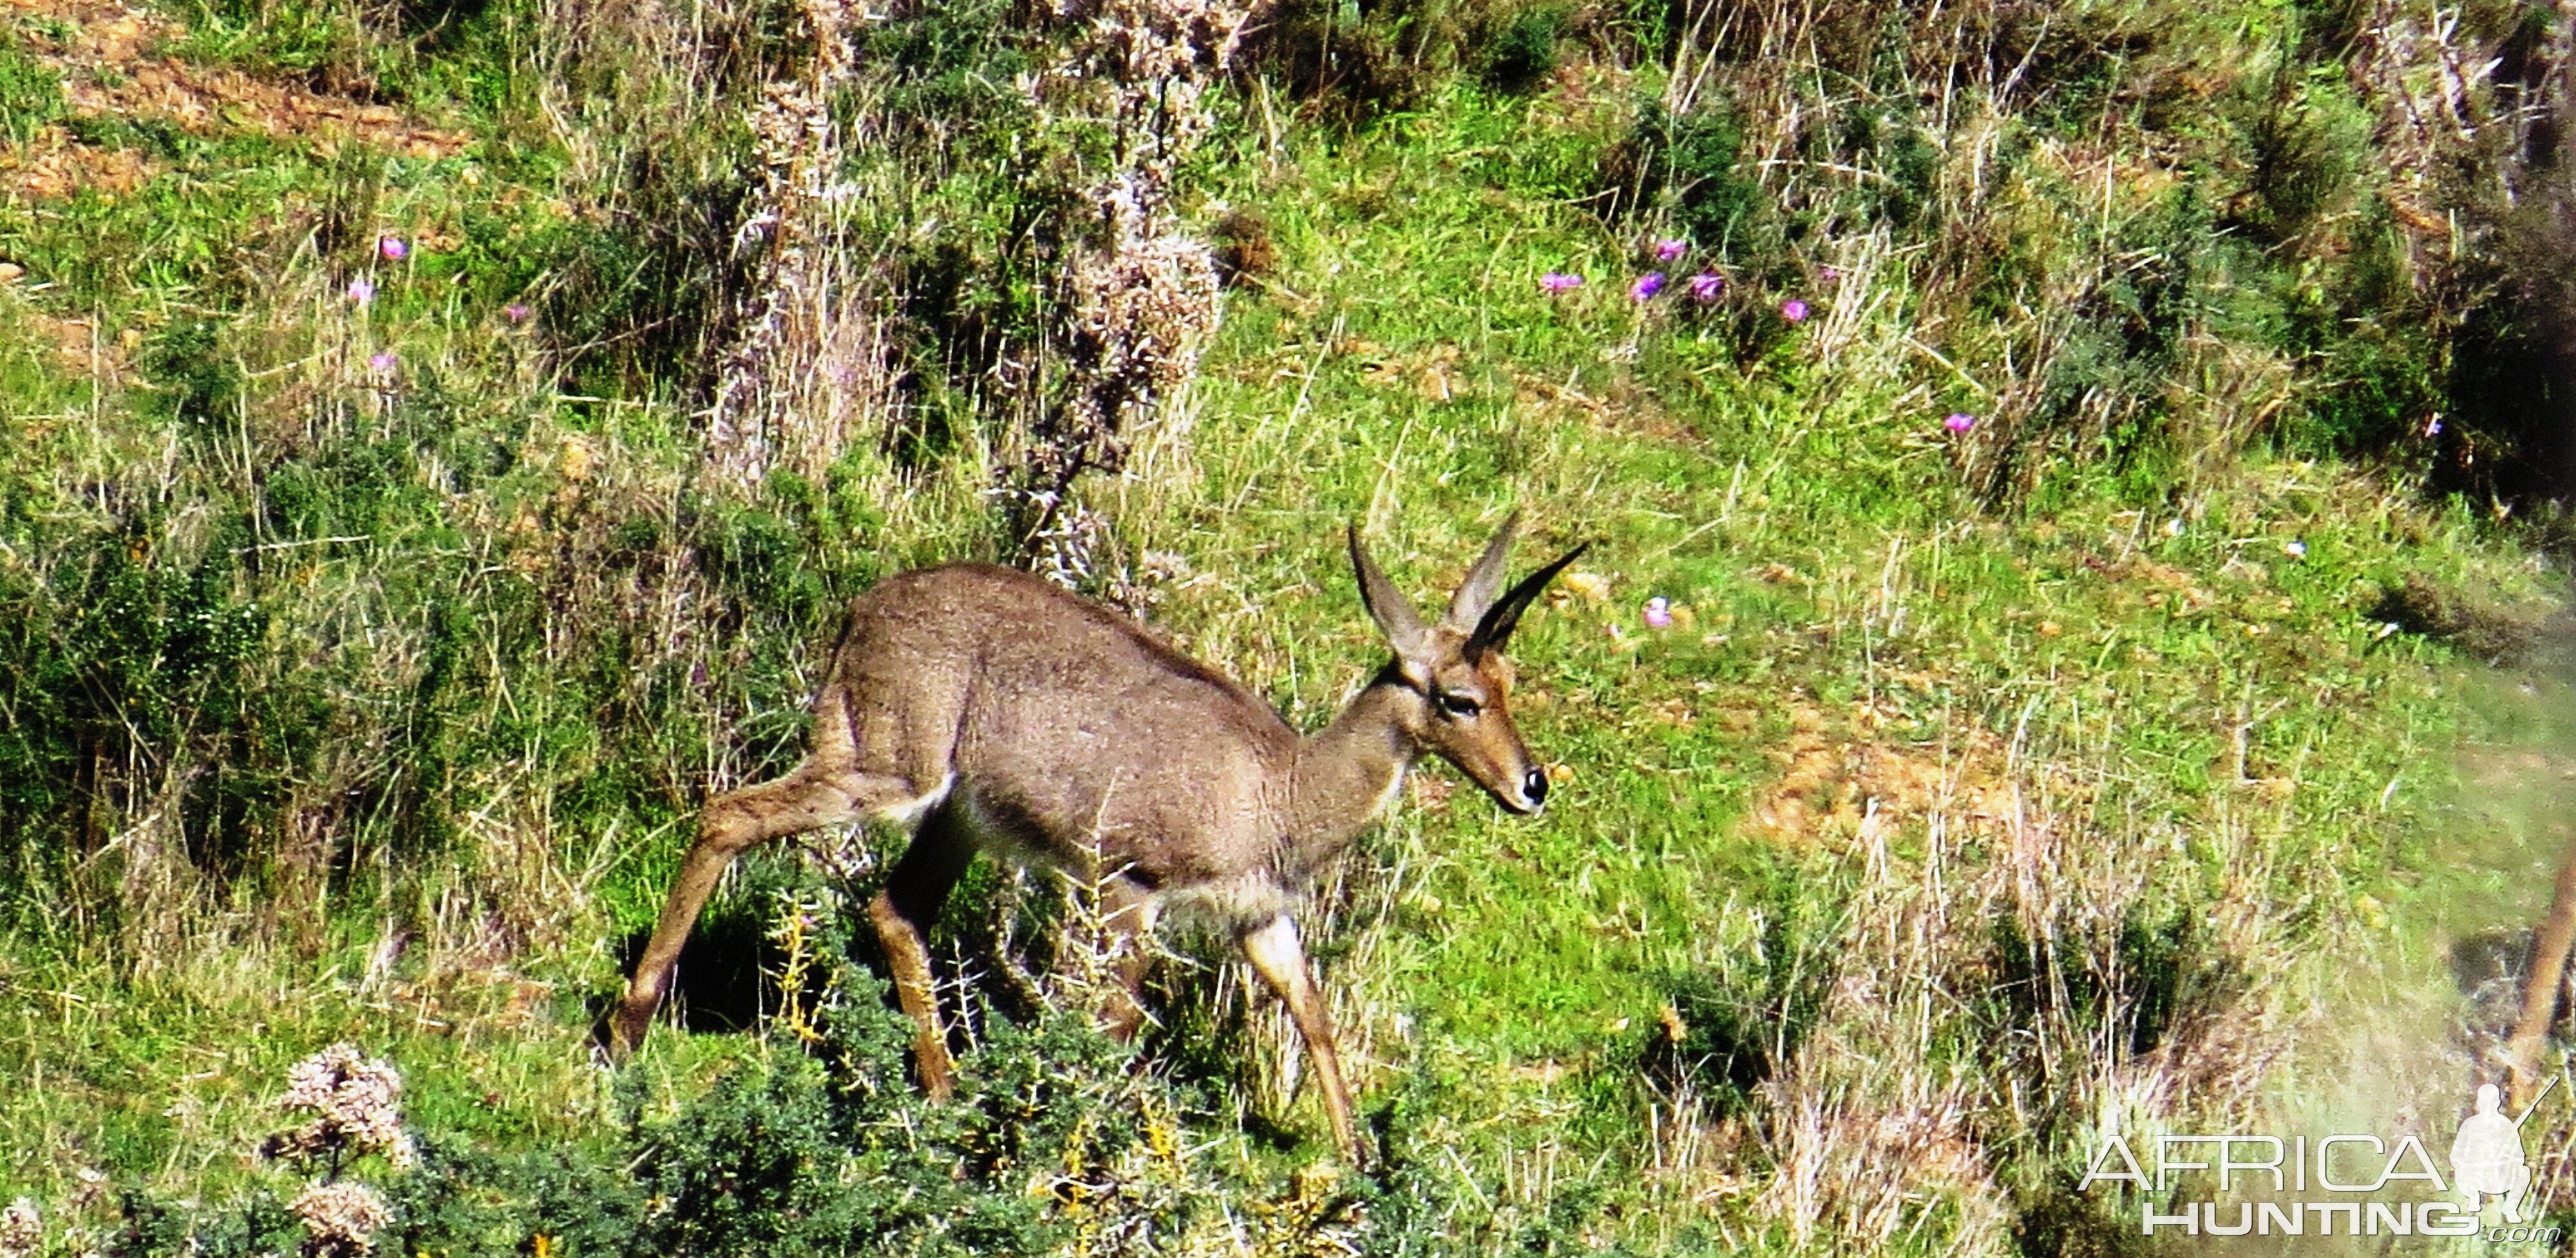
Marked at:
<point>1061,731</point>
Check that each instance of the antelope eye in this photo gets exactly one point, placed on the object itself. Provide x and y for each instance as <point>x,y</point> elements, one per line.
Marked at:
<point>1458,705</point>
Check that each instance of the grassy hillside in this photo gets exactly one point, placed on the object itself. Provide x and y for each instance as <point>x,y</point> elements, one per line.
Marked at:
<point>2100,465</point>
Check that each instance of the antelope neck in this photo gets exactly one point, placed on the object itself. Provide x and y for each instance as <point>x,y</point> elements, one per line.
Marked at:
<point>1347,772</point>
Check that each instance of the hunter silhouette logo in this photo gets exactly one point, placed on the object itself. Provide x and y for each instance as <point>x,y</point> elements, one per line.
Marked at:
<point>2486,1157</point>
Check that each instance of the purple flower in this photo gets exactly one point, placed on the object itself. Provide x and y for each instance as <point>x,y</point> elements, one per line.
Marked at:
<point>1794,310</point>
<point>362,290</point>
<point>515,312</point>
<point>1959,421</point>
<point>392,247</point>
<point>1707,286</point>
<point>1659,613</point>
<point>1647,285</point>
<point>1559,282</point>
<point>383,362</point>
<point>1828,274</point>
<point>1667,250</point>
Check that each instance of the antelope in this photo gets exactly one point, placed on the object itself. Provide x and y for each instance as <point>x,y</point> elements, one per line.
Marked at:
<point>985,710</point>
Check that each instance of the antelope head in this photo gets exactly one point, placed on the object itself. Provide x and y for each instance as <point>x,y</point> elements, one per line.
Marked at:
<point>1454,676</point>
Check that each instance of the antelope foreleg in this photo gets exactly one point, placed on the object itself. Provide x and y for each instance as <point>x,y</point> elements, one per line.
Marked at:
<point>1278,957</point>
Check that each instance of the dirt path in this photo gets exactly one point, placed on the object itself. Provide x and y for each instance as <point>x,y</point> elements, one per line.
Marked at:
<point>120,61</point>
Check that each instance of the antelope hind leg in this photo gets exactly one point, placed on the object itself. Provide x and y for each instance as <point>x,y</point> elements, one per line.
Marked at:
<point>810,797</point>
<point>903,914</point>
<point>1278,957</point>
<point>1127,914</point>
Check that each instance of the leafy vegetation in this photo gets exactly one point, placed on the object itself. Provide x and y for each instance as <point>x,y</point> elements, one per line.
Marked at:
<point>2085,462</point>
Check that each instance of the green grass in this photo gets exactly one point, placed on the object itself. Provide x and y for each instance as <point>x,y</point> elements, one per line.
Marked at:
<point>1919,761</point>
<point>2124,648</point>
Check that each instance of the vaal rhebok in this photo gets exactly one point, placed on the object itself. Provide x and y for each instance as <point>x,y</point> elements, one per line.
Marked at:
<point>985,710</point>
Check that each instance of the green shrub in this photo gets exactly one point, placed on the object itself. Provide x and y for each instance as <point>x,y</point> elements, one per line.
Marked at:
<point>2129,983</point>
<point>1354,63</point>
<point>200,383</point>
<point>2310,141</point>
<point>128,671</point>
<point>1521,52</point>
<point>1685,169</point>
<point>1906,158</point>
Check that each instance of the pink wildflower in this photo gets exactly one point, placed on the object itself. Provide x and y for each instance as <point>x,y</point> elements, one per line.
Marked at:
<point>1707,286</point>
<point>1647,285</point>
<point>1667,250</point>
<point>1794,310</point>
<point>362,290</point>
<point>392,247</point>
<point>1559,282</point>
<point>1959,421</point>
<point>1659,613</point>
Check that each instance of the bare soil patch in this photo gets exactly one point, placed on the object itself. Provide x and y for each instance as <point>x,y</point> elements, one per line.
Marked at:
<point>115,62</point>
<point>1838,783</point>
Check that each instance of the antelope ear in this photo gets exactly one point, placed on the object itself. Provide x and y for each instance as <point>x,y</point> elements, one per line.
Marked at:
<point>1476,594</point>
<point>1395,616</point>
<point>1495,629</point>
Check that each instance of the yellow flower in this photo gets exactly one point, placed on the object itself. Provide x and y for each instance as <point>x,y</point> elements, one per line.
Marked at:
<point>1591,586</point>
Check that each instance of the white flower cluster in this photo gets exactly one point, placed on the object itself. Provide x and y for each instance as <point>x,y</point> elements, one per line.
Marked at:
<point>340,1219</point>
<point>353,1100</point>
<point>22,1230</point>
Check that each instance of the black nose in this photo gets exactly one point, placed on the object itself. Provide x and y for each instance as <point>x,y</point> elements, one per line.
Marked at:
<point>1535,787</point>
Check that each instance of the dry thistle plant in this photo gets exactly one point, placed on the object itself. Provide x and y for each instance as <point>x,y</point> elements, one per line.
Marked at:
<point>804,366</point>
<point>352,1099</point>
<point>340,1219</point>
<point>1138,312</point>
<point>1138,305</point>
<point>1156,60</point>
<point>22,1230</point>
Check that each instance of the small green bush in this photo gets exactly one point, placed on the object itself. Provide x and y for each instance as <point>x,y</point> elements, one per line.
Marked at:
<point>1685,169</point>
<point>2130,983</point>
<point>30,95</point>
<point>200,382</point>
<point>1522,50</point>
<point>1726,1029</point>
